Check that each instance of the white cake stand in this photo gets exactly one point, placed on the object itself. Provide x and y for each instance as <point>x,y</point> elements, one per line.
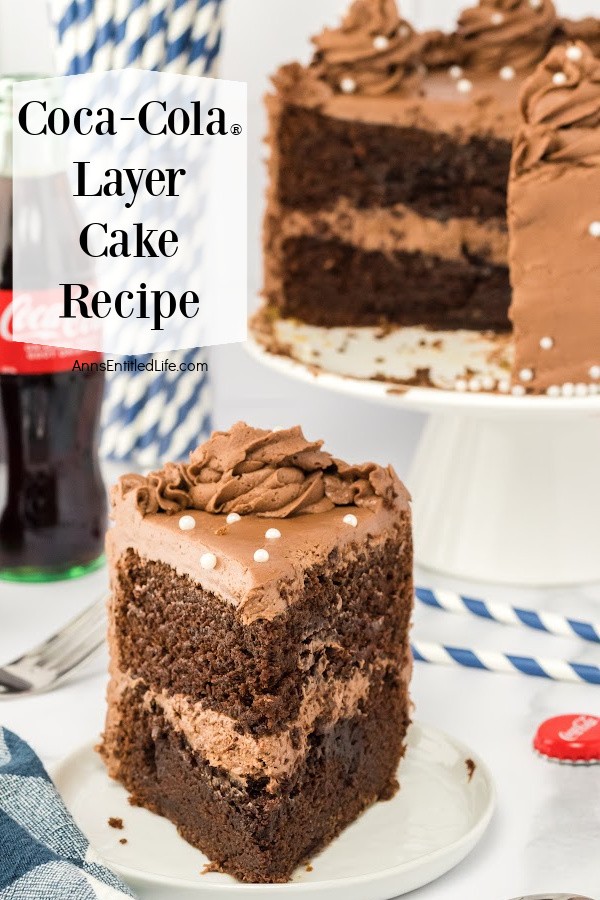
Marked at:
<point>505,489</point>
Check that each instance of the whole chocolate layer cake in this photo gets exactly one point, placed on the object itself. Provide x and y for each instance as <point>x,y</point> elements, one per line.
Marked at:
<point>387,205</point>
<point>259,616</point>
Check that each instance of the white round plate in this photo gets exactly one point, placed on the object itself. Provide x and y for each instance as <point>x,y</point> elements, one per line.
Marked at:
<point>423,398</point>
<point>432,823</point>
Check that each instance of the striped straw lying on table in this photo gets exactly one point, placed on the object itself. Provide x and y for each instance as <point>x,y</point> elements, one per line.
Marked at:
<point>491,661</point>
<point>551,623</point>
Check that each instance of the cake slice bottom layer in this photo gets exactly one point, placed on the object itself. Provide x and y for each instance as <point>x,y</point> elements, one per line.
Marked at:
<point>250,832</point>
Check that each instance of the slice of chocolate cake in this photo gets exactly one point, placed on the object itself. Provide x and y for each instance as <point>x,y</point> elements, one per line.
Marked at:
<point>261,602</point>
<point>554,206</point>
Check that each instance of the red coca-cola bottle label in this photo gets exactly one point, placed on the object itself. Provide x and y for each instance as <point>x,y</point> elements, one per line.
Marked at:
<point>18,358</point>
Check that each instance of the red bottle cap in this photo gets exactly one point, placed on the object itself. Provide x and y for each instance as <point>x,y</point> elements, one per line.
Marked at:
<point>573,738</point>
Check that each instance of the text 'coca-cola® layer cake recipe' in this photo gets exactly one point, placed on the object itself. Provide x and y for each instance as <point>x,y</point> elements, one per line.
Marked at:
<point>387,246</point>
<point>261,598</point>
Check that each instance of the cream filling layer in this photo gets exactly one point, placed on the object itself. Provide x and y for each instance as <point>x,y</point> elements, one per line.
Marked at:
<point>397,229</point>
<point>214,736</point>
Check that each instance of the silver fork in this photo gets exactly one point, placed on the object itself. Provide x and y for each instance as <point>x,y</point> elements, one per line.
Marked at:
<point>45,665</point>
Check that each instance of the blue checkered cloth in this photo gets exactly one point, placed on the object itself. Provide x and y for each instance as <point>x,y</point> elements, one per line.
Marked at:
<point>43,854</point>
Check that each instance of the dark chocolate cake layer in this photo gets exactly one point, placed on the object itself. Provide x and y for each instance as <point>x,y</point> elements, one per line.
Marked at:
<point>329,283</point>
<point>382,165</point>
<point>250,833</point>
<point>178,637</point>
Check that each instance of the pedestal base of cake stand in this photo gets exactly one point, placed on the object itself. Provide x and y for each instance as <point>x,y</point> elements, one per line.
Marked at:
<point>508,495</point>
<point>505,489</point>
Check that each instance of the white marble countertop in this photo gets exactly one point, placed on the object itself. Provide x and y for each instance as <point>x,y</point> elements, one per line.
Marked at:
<point>546,831</point>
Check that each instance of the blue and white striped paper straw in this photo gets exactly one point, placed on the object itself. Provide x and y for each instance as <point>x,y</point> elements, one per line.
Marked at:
<point>491,661</point>
<point>146,417</point>
<point>551,623</point>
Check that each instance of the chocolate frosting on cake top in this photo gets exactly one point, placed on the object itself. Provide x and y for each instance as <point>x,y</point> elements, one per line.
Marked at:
<point>586,30</point>
<point>374,51</point>
<point>274,474</point>
<point>499,33</point>
<point>560,105</point>
<point>376,54</point>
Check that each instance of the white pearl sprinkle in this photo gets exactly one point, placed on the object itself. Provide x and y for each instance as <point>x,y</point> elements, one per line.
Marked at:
<point>272,534</point>
<point>464,85</point>
<point>455,72</point>
<point>507,73</point>
<point>581,390</point>
<point>279,428</point>
<point>547,343</point>
<point>559,78</point>
<point>187,523</point>
<point>351,520</point>
<point>574,53</point>
<point>461,385</point>
<point>497,18</point>
<point>536,4</point>
<point>488,382</point>
<point>594,229</point>
<point>504,386</point>
<point>381,42</point>
<point>553,390</point>
<point>518,390</point>
<point>526,375</point>
<point>567,389</point>
<point>261,556</point>
<point>594,373</point>
<point>475,385</point>
<point>348,85</point>
<point>232,518</point>
<point>208,561</point>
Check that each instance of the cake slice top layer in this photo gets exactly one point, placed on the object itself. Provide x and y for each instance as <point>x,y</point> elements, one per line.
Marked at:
<point>251,511</point>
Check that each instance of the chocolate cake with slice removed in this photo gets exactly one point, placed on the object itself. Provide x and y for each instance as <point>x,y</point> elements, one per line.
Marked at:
<point>386,244</point>
<point>258,630</point>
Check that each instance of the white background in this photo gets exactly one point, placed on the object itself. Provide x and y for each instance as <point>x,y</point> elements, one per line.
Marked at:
<point>546,834</point>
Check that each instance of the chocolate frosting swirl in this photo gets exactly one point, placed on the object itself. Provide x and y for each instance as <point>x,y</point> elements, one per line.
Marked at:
<point>586,30</point>
<point>297,84</point>
<point>374,48</point>
<point>442,49</point>
<point>274,474</point>
<point>499,33</point>
<point>560,105</point>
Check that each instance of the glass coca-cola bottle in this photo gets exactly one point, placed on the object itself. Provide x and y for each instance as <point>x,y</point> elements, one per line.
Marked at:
<point>52,499</point>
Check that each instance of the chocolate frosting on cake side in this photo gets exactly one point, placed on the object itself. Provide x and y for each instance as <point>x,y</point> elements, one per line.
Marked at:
<point>275,474</point>
<point>553,217</point>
